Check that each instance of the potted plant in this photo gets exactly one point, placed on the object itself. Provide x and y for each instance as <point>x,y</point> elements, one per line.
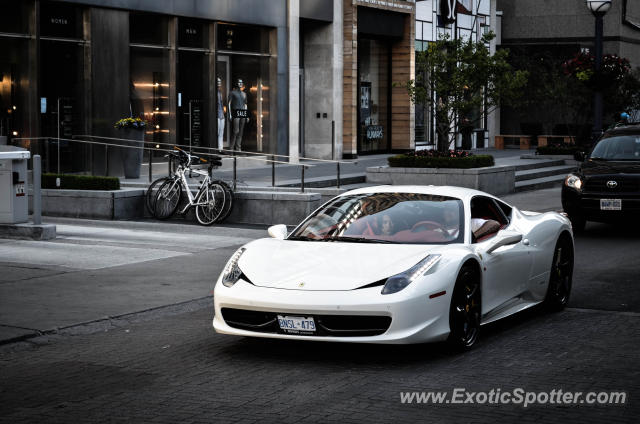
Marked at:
<point>132,132</point>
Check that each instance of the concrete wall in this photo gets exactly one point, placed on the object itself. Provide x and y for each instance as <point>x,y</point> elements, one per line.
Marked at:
<point>92,204</point>
<point>269,208</point>
<point>319,91</point>
<point>494,179</point>
<point>568,21</point>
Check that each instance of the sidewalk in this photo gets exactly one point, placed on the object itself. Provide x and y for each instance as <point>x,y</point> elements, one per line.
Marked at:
<point>96,271</point>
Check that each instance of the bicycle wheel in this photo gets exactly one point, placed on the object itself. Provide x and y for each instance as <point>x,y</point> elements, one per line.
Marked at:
<point>152,191</point>
<point>167,199</point>
<point>210,203</point>
<point>228,205</point>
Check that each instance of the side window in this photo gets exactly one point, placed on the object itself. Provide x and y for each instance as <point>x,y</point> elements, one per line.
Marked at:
<point>487,218</point>
<point>506,209</point>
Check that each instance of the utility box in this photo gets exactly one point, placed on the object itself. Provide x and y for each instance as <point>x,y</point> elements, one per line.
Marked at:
<point>14,199</point>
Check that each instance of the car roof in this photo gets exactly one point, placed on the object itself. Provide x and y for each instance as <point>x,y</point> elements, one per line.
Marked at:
<point>450,191</point>
<point>623,129</point>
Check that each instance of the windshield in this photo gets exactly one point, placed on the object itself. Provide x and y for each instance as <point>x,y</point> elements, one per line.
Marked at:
<point>405,218</point>
<point>622,147</point>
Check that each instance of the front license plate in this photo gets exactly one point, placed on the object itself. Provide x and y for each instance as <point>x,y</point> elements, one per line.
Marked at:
<point>297,325</point>
<point>610,204</point>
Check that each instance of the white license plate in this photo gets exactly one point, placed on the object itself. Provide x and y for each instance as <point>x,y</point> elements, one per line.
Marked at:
<point>297,325</point>
<point>610,204</point>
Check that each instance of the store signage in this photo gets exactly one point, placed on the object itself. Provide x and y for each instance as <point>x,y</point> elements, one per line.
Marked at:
<point>241,113</point>
<point>448,10</point>
<point>59,21</point>
<point>191,31</point>
<point>375,132</point>
<point>196,122</point>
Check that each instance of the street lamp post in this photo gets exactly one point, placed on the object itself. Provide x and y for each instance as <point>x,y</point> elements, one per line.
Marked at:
<point>599,8</point>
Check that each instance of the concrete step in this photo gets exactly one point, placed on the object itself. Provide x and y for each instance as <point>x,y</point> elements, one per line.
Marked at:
<point>532,174</point>
<point>542,163</point>
<point>539,183</point>
<point>325,181</point>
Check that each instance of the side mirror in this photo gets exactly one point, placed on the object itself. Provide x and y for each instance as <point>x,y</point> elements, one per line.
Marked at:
<point>504,238</point>
<point>278,231</point>
<point>579,156</point>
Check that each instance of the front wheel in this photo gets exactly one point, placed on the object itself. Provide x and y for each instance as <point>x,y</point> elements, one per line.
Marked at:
<point>561,275</point>
<point>465,312</point>
<point>210,204</point>
<point>167,199</point>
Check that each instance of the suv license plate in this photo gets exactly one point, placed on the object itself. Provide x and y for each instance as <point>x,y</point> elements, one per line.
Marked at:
<point>610,204</point>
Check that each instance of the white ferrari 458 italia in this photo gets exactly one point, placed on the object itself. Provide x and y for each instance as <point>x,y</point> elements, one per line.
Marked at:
<point>397,264</point>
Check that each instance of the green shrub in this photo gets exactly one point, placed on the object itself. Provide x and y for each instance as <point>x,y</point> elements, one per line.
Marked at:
<point>409,160</point>
<point>561,149</point>
<point>80,182</point>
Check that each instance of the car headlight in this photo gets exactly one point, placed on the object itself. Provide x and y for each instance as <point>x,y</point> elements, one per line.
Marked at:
<point>231,273</point>
<point>400,281</point>
<point>573,181</point>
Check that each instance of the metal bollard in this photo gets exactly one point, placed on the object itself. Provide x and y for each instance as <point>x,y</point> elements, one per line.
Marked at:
<point>235,172</point>
<point>338,178</point>
<point>302,181</point>
<point>273,171</point>
<point>37,193</point>
<point>150,164</point>
<point>169,163</point>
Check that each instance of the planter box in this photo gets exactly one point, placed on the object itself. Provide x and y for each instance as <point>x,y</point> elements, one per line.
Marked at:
<point>492,179</point>
<point>269,208</point>
<point>93,204</point>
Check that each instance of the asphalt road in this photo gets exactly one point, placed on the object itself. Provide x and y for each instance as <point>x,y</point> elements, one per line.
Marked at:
<point>174,368</point>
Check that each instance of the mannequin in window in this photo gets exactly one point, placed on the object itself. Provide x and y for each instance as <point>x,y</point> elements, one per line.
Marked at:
<point>220,114</point>
<point>239,114</point>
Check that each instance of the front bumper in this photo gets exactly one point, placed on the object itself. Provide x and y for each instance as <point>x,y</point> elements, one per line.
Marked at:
<point>414,317</point>
<point>587,205</point>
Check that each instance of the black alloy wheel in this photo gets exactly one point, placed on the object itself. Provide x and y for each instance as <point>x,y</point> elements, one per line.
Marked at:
<point>465,312</point>
<point>561,275</point>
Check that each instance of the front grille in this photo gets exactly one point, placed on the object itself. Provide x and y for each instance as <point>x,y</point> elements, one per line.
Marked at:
<point>327,325</point>
<point>624,185</point>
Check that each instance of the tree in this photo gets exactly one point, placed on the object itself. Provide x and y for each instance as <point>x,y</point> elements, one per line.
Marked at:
<point>464,78</point>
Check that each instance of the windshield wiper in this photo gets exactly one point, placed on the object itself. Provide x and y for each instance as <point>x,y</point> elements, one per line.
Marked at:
<point>355,239</point>
<point>303,238</point>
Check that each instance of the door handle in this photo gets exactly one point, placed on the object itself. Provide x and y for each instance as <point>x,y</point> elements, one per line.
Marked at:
<point>525,242</point>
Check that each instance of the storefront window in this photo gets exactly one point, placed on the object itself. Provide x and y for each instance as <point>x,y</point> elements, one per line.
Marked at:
<point>15,17</point>
<point>243,38</point>
<point>193,33</point>
<point>147,28</point>
<point>14,87</point>
<point>60,20</point>
<point>373,95</point>
<point>149,90</point>
<point>256,132</point>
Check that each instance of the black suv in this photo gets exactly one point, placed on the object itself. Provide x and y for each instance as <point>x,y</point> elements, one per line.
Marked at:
<point>606,186</point>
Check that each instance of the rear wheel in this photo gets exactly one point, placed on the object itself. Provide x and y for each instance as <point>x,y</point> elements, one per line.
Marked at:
<point>561,275</point>
<point>465,312</point>
<point>152,191</point>
<point>210,204</point>
<point>228,204</point>
<point>167,199</point>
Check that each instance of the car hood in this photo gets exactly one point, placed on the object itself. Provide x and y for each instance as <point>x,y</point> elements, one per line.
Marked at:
<point>314,265</point>
<point>599,167</point>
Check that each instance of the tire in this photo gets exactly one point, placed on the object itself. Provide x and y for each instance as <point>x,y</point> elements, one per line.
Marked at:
<point>561,275</point>
<point>152,191</point>
<point>167,199</point>
<point>465,312</point>
<point>215,198</point>
<point>229,198</point>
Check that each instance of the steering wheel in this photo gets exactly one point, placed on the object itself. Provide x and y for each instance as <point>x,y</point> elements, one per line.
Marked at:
<point>428,225</point>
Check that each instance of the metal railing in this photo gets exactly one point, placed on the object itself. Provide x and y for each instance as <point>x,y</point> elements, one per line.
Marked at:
<point>152,147</point>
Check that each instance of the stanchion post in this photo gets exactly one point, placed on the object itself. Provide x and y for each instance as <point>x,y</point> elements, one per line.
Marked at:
<point>150,164</point>
<point>37,193</point>
<point>338,177</point>
<point>235,172</point>
<point>273,171</point>
<point>302,180</point>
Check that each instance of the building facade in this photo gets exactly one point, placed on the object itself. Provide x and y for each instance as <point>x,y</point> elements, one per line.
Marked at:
<point>378,58</point>
<point>84,64</point>
<point>465,19</point>
<point>555,31</point>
